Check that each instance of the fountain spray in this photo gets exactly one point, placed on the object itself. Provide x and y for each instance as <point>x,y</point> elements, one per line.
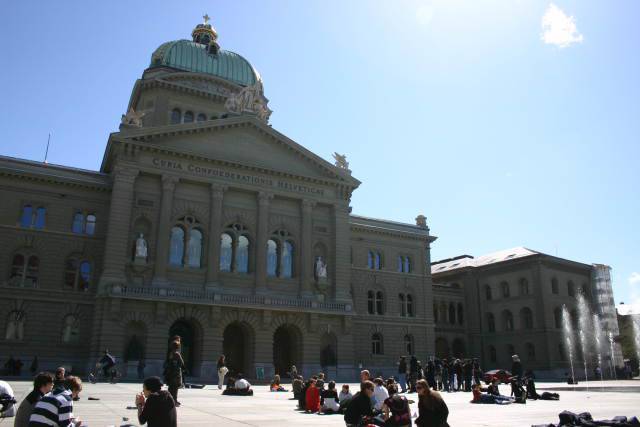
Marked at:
<point>568,336</point>
<point>597,333</point>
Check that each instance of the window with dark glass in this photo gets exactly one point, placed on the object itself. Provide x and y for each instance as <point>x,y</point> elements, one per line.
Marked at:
<point>24,270</point>
<point>32,218</point>
<point>376,343</point>
<point>370,258</point>
<point>506,292</point>
<point>507,320</point>
<point>201,117</point>
<point>410,311</point>
<point>379,303</point>
<point>491,322</point>
<point>557,318</point>
<point>554,286</point>
<point>70,329</point>
<point>526,318</point>
<point>487,292</point>
<point>460,314</point>
<point>77,275</point>
<point>403,307</point>
<point>188,117</point>
<point>176,116</point>
<point>408,344</point>
<point>531,351</point>
<point>571,289</point>
<point>371,303</point>
<point>78,223</point>
<point>524,286</point>
<point>452,314</point>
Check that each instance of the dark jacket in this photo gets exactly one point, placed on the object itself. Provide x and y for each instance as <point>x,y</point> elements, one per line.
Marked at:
<point>516,368</point>
<point>402,366</point>
<point>359,407</point>
<point>26,408</point>
<point>433,411</point>
<point>159,410</point>
<point>173,368</point>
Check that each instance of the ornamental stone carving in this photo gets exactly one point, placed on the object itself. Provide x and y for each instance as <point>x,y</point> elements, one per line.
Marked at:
<point>250,100</point>
<point>132,119</point>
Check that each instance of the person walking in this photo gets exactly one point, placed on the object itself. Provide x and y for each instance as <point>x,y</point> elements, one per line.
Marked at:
<point>477,372</point>
<point>413,373</point>
<point>173,368</point>
<point>433,412</point>
<point>42,385</point>
<point>445,376</point>
<point>402,373</point>
<point>222,370</point>
<point>155,406</point>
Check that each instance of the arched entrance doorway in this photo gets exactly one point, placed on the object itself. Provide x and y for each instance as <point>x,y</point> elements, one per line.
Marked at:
<point>458,348</point>
<point>236,346</point>
<point>189,338</point>
<point>442,348</point>
<point>287,346</point>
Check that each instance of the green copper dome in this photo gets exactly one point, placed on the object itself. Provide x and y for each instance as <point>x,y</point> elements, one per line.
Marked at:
<point>197,57</point>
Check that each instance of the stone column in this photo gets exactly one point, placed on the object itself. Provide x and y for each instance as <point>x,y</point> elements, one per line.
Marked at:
<point>164,230</point>
<point>215,229</point>
<point>117,234</point>
<point>306,249</point>
<point>261,241</point>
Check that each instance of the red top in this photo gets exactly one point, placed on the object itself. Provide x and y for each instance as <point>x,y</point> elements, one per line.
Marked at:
<point>313,399</point>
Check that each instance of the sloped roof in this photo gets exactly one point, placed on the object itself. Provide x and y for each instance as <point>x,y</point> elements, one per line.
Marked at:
<point>492,258</point>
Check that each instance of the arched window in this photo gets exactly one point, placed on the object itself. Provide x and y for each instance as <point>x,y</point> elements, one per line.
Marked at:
<point>487,292</point>
<point>370,258</point>
<point>531,351</point>
<point>493,355</point>
<point>376,343</point>
<point>70,330</point>
<point>371,303</point>
<point>557,318</point>
<point>188,117</point>
<point>408,344</point>
<point>201,117</point>
<point>15,326</point>
<point>404,264</point>
<point>507,320</point>
<point>77,274</point>
<point>186,243</point>
<point>403,307</point>
<point>554,286</point>
<point>452,314</point>
<point>90,226</point>
<point>78,223</point>
<point>176,116</point>
<point>176,246</point>
<point>379,303</point>
<point>410,311</point>
<point>491,322</point>
<point>400,264</point>
<point>524,286</point>
<point>272,258</point>
<point>506,292</point>
<point>435,312</point>
<point>242,255</point>
<point>226,252</point>
<point>460,314</point>
<point>32,218</point>
<point>377,261</point>
<point>24,270</point>
<point>282,255</point>
<point>195,248</point>
<point>526,318</point>
<point>571,289</point>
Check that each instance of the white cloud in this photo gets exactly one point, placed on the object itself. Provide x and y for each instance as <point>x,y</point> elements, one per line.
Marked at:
<point>634,279</point>
<point>558,28</point>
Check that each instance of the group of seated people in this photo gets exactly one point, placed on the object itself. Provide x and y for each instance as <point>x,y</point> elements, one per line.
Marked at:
<point>238,386</point>
<point>518,392</point>
<point>313,397</point>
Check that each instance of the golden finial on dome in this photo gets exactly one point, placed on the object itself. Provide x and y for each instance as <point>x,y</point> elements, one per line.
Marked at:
<point>206,34</point>
<point>206,19</point>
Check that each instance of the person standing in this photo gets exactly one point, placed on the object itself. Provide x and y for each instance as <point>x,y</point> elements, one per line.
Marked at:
<point>34,365</point>
<point>516,367</point>
<point>413,373</point>
<point>445,376</point>
<point>402,373</point>
<point>432,409</point>
<point>477,372</point>
<point>155,406</point>
<point>221,366</point>
<point>42,384</point>
<point>140,368</point>
<point>173,367</point>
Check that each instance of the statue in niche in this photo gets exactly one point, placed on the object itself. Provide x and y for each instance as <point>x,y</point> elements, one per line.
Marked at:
<point>141,249</point>
<point>321,270</point>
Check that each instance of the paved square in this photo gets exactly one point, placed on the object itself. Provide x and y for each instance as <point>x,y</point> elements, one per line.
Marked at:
<point>208,407</point>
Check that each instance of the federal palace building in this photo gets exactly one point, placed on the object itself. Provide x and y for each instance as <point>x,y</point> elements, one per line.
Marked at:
<point>205,222</point>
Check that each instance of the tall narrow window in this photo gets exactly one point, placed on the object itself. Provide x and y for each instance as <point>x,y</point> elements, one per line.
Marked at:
<point>407,264</point>
<point>554,286</point>
<point>24,270</point>
<point>242,255</point>
<point>410,311</point>
<point>15,326</point>
<point>40,214</point>
<point>370,258</point>
<point>487,292</point>
<point>491,322</point>
<point>408,344</point>
<point>524,287</point>
<point>27,216</point>
<point>84,276</point>
<point>557,318</point>
<point>195,248</point>
<point>403,307</point>
<point>17,267</point>
<point>452,314</point>
<point>400,264</point>
<point>188,117</point>
<point>376,343</point>
<point>531,351</point>
<point>371,303</point>
<point>90,227</point>
<point>77,274</point>
<point>176,116</point>
<point>460,314</point>
<point>506,292</point>
<point>176,246</point>
<point>272,258</point>
<point>226,252</point>
<point>526,318</point>
<point>435,312</point>
<point>70,271</point>
<point>287,260</point>
<point>78,223</point>
<point>507,320</point>
<point>379,303</point>
<point>377,261</point>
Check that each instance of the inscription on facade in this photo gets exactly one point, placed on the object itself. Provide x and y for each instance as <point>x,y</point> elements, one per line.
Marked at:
<point>235,176</point>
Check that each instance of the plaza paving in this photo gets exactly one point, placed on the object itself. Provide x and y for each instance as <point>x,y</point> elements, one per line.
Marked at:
<point>208,407</point>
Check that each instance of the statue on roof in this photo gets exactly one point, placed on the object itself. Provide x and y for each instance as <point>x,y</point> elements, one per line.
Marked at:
<point>251,100</point>
<point>132,118</point>
<point>341,161</point>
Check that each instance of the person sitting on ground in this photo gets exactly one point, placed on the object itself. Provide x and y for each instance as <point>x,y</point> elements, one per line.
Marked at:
<point>56,408</point>
<point>344,397</point>
<point>392,388</point>
<point>298,384</point>
<point>329,399</point>
<point>479,397</point>
<point>320,385</point>
<point>42,384</point>
<point>396,410</point>
<point>518,391</point>
<point>7,400</point>
<point>156,407</point>
<point>275,384</point>
<point>321,376</point>
<point>380,394</point>
<point>312,398</point>
<point>360,406</point>
<point>493,388</point>
<point>433,411</point>
<point>237,386</point>
<point>242,383</point>
<point>59,379</point>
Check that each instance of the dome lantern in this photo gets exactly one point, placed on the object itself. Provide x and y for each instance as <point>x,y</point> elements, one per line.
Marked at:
<point>205,34</point>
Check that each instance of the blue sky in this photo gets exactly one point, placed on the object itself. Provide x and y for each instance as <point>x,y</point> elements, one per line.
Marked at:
<point>460,110</point>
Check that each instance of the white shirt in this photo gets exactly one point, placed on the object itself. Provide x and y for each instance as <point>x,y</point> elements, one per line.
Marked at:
<point>5,388</point>
<point>242,384</point>
<point>342,396</point>
<point>380,394</point>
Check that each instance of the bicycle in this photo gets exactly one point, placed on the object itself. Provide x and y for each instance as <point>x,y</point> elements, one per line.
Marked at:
<point>98,374</point>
